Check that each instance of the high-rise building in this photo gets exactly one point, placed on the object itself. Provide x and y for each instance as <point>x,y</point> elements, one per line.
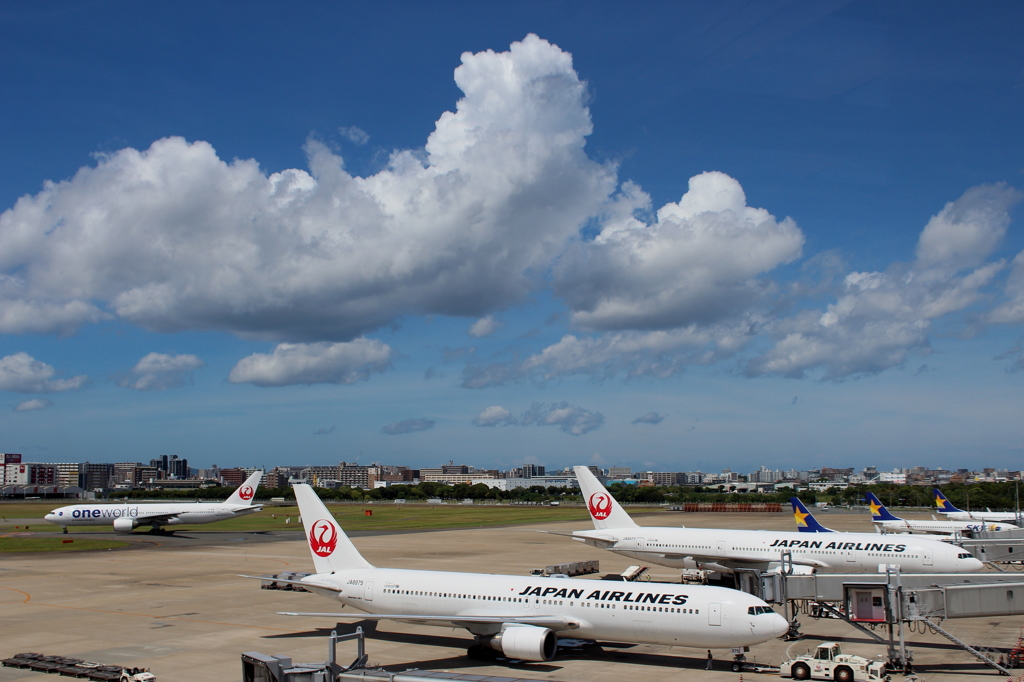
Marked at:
<point>96,476</point>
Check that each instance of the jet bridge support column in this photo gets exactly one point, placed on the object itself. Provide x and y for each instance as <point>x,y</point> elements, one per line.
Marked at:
<point>786,569</point>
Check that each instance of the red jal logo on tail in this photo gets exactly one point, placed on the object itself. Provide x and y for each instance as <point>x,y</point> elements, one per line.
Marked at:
<point>246,492</point>
<point>323,538</point>
<point>600,505</point>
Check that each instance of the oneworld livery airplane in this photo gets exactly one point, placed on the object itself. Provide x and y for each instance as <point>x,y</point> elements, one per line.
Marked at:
<point>522,616</point>
<point>888,523</point>
<point>727,550</point>
<point>128,516</point>
<point>947,509</point>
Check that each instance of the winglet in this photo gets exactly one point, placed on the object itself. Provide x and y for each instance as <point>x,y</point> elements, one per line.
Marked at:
<point>805,521</point>
<point>605,512</point>
<point>943,504</point>
<point>330,547</point>
<point>878,510</point>
<point>246,493</point>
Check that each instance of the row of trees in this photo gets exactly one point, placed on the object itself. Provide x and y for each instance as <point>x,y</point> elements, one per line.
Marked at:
<point>974,496</point>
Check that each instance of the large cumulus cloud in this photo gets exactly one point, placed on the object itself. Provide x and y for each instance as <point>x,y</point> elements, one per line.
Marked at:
<point>697,262</point>
<point>173,237</point>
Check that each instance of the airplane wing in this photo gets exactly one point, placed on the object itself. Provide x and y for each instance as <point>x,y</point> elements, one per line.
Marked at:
<point>738,561</point>
<point>147,518</point>
<point>550,621</point>
<point>301,583</point>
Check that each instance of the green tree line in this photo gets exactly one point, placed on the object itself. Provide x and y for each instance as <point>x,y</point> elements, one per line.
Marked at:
<point>977,496</point>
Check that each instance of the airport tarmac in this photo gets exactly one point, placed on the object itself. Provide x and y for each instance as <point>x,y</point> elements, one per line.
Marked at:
<point>176,605</point>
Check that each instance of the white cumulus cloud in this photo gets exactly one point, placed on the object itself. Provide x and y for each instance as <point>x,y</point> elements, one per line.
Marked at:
<point>495,415</point>
<point>659,354</point>
<point>174,238</point>
<point>485,326</point>
<point>314,363</point>
<point>159,371</point>
<point>33,404</point>
<point>573,420</point>
<point>21,373</point>
<point>699,261</point>
<point>880,318</point>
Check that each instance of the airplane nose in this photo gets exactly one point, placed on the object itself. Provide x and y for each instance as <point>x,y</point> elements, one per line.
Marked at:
<point>779,626</point>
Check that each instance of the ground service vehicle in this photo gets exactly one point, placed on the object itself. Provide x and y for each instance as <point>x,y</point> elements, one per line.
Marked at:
<point>828,662</point>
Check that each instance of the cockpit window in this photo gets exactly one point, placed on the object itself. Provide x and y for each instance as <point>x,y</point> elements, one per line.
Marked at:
<point>758,610</point>
<point>965,555</point>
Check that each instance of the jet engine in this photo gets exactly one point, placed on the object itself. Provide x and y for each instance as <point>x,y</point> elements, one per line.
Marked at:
<point>524,642</point>
<point>123,525</point>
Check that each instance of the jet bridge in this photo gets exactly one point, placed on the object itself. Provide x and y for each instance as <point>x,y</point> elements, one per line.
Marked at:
<point>1001,549</point>
<point>896,600</point>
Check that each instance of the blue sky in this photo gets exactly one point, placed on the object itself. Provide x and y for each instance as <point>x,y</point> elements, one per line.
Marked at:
<point>667,235</point>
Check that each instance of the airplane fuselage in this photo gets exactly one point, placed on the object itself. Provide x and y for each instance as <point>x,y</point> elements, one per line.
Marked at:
<point>655,613</point>
<point>763,550</point>
<point>935,527</point>
<point>174,513</point>
<point>1005,517</point>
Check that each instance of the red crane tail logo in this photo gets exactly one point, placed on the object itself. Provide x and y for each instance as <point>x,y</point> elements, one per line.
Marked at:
<point>600,505</point>
<point>246,492</point>
<point>323,538</point>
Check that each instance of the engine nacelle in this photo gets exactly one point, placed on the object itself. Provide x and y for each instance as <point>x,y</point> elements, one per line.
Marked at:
<point>524,642</point>
<point>123,525</point>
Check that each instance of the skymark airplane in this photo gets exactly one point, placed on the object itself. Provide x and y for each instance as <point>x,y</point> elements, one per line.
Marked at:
<point>521,616</point>
<point>127,517</point>
<point>947,509</point>
<point>885,521</point>
<point>727,550</point>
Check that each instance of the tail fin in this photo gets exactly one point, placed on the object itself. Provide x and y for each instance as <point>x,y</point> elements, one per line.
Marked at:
<point>605,512</point>
<point>805,521</point>
<point>878,510</point>
<point>943,504</point>
<point>246,492</point>
<point>331,549</point>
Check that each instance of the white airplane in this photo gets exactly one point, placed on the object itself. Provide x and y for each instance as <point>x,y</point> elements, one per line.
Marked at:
<point>727,550</point>
<point>886,522</point>
<point>946,508</point>
<point>522,616</point>
<point>127,517</point>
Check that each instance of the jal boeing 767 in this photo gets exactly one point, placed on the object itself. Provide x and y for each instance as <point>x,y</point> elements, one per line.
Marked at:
<point>522,616</point>
<point>727,550</point>
<point>128,516</point>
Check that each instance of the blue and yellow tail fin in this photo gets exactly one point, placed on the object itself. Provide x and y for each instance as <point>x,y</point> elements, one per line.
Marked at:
<point>878,510</point>
<point>943,504</point>
<point>805,521</point>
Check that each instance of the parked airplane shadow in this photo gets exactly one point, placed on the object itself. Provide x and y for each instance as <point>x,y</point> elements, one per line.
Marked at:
<point>617,651</point>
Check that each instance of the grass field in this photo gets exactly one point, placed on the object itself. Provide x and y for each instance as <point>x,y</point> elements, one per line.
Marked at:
<point>19,544</point>
<point>351,517</point>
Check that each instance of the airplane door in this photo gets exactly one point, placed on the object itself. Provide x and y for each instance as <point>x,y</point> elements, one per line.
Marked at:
<point>927,555</point>
<point>714,614</point>
<point>368,590</point>
<point>850,556</point>
<point>721,547</point>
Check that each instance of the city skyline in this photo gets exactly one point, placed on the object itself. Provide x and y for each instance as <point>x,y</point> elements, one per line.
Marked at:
<point>672,238</point>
